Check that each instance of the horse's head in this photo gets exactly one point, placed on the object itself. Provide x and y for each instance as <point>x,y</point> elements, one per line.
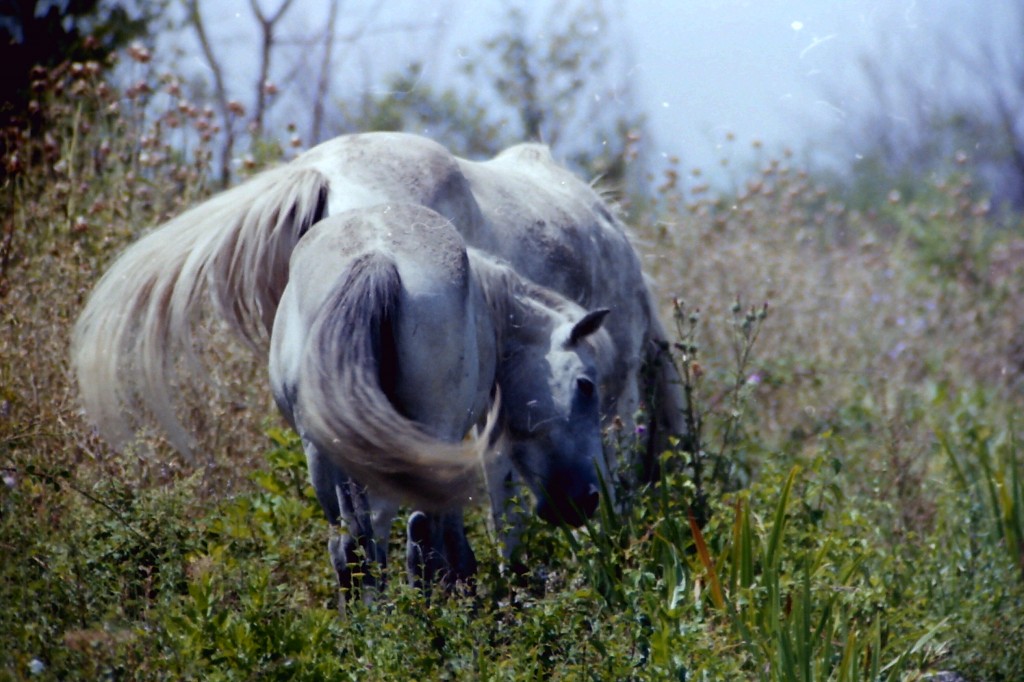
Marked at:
<point>551,408</point>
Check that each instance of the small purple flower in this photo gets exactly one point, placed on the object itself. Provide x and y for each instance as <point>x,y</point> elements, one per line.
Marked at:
<point>754,379</point>
<point>897,350</point>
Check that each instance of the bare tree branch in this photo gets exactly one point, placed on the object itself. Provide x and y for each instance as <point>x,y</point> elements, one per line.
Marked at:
<point>324,81</point>
<point>219,89</point>
<point>268,25</point>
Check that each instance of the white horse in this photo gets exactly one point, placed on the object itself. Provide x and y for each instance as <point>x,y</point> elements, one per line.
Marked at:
<point>521,206</point>
<point>551,227</point>
<point>388,344</point>
<point>554,229</point>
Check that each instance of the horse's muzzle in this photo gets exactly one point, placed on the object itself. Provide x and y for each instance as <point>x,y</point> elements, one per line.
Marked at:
<point>570,499</point>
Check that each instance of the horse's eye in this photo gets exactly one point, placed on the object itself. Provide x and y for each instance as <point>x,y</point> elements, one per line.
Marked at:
<point>585,386</point>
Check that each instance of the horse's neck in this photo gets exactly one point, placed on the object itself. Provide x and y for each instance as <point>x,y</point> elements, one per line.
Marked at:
<point>522,311</point>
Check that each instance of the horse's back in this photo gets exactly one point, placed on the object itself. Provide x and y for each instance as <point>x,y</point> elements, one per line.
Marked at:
<point>521,206</point>
<point>368,169</point>
<point>553,227</point>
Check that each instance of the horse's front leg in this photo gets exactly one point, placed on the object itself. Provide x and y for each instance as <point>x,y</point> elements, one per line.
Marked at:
<point>359,528</point>
<point>508,516</point>
<point>437,552</point>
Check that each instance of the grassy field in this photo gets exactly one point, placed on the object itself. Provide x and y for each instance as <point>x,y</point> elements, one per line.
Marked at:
<point>859,448</point>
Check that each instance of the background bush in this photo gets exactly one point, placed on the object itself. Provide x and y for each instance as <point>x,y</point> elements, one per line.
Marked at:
<point>858,443</point>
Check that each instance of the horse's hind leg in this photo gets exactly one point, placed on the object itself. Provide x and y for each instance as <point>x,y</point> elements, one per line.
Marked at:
<point>437,552</point>
<point>358,553</point>
<point>663,389</point>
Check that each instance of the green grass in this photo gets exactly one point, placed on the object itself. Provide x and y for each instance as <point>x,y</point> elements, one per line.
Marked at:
<point>860,469</point>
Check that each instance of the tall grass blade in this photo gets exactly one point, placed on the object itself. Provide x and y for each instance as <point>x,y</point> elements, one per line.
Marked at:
<point>779,522</point>
<point>709,566</point>
<point>1015,513</point>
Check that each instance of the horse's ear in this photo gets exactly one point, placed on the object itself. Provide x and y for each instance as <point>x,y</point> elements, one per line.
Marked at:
<point>590,323</point>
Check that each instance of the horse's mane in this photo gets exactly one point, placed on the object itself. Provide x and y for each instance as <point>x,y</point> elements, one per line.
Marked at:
<point>527,311</point>
<point>516,304</point>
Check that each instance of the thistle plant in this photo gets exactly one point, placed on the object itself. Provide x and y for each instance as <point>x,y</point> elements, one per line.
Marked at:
<point>727,410</point>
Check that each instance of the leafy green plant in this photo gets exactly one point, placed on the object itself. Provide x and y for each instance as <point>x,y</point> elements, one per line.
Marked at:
<point>986,466</point>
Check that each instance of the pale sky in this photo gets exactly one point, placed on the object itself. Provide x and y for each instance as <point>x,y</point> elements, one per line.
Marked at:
<point>778,71</point>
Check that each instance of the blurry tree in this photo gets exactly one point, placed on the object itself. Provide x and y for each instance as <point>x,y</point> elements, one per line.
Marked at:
<point>461,121</point>
<point>553,84</point>
<point>268,28</point>
<point>46,33</point>
<point>232,110</point>
<point>950,102</point>
<point>323,80</point>
<point>287,55</point>
<point>557,85</point>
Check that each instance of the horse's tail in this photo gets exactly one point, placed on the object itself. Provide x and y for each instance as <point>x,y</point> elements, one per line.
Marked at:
<point>133,337</point>
<point>345,390</point>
